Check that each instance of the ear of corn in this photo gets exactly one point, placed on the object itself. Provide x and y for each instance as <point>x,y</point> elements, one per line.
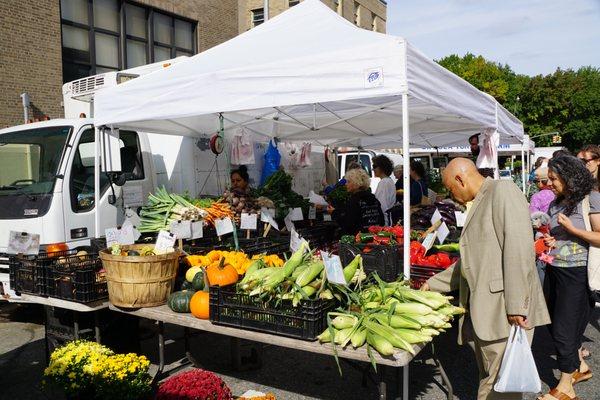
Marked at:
<point>343,335</point>
<point>344,321</point>
<point>413,336</point>
<point>396,321</point>
<point>298,271</point>
<point>310,273</point>
<point>383,346</point>
<point>358,338</point>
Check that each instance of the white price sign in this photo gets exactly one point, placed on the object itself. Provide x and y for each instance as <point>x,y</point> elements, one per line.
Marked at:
<point>131,216</point>
<point>197,229</point>
<point>296,214</point>
<point>123,235</point>
<point>461,218</point>
<point>333,268</point>
<point>312,212</point>
<point>164,242</point>
<point>23,243</point>
<point>181,229</point>
<point>443,232</point>
<point>224,226</point>
<point>326,218</point>
<point>436,217</point>
<point>248,222</point>
<point>429,241</point>
<point>288,223</point>
<point>296,241</point>
<point>268,216</point>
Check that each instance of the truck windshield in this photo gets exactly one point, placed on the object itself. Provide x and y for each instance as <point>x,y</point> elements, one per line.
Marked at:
<point>29,160</point>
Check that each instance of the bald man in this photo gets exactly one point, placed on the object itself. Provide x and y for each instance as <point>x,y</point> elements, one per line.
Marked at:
<point>496,276</point>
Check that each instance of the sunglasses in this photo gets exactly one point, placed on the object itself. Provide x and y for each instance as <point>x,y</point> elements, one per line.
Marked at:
<point>540,181</point>
<point>587,160</point>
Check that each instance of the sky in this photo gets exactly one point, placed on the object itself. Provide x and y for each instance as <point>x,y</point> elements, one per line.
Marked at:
<point>531,36</point>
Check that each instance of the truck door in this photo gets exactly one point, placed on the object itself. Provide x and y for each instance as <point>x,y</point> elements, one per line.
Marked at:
<point>78,204</point>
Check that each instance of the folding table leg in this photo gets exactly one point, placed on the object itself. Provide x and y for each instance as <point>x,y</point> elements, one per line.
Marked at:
<point>96,327</point>
<point>161,352</point>
<point>443,374</point>
<point>382,386</point>
<point>188,353</point>
<point>76,325</point>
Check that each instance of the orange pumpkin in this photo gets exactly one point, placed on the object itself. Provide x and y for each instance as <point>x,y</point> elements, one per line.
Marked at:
<point>199,305</point>
<point>54,248</point>
<point>222,274</point>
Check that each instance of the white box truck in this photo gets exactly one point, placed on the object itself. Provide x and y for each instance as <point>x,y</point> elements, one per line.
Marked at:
<point>47,171</point>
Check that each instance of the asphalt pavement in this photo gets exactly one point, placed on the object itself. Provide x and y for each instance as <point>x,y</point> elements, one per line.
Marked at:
<point>289,374</point>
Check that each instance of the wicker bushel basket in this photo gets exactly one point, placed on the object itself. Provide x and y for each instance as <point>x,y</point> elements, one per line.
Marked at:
<point>139,281</point>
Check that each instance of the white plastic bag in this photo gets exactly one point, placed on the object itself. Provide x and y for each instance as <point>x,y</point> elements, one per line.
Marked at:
<point>518,373</point>
<point>242,149</point>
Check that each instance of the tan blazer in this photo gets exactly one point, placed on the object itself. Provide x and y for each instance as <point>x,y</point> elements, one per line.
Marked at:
<point>496,275</point>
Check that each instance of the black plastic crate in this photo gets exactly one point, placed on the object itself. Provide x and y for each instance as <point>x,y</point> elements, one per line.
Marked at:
<point>305,321</point>
<point>262,245</point>
<point>386,260</point>
<point>28,273</point>
<point>78,278</point>
<point>321,234</point>
<point>419,274</point>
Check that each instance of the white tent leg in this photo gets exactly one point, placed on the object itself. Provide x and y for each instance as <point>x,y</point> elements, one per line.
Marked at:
<point>406,213</point>
<point>97,183</point>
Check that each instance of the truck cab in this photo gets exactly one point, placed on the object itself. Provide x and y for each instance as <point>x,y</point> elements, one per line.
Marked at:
<point>47,182</point>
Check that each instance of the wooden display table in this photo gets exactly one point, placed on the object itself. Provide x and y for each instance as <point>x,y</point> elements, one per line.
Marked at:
<point>163,314</point>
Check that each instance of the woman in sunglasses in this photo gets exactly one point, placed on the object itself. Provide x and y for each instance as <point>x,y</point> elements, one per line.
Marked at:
<point>590,155</point>
<point>542,199</point>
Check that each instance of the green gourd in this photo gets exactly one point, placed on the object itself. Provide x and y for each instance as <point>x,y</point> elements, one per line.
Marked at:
<point>187,286</point>
<point>198,281</point>
<point>180,301</point>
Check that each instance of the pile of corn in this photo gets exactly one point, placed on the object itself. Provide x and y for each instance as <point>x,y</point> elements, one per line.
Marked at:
<point>391,316</point>
<point>301,277</point>
<point>238,259</point>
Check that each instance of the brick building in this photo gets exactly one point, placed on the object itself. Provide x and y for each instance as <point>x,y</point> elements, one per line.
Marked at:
<point>44,43</point>
<point>367,14</point>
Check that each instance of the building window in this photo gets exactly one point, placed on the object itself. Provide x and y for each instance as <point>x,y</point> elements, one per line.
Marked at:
<point>356,14</point>
<point>258,16</point>
<point>109,35</point>
<point>293,3</point>
<point>339,6</point>
<point>373,22</point>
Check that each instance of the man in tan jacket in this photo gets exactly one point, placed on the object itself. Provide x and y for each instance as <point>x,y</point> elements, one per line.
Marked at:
<point>496,276</point>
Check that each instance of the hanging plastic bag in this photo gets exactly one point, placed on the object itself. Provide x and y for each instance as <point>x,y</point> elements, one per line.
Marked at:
<point>242,150</point>
<point>272,161</point>
<point>291,156</point>
<point>518,373</point>
<point>305,155</point>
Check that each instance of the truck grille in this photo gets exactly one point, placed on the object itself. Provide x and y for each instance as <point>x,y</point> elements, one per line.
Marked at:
<point>88,84</point>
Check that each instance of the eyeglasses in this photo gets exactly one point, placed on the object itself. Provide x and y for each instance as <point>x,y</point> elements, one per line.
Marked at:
<point>587,160</point>
<point>544,181</point>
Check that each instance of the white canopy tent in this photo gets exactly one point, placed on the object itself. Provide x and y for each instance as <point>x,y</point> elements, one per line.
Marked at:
<point>310,75</point>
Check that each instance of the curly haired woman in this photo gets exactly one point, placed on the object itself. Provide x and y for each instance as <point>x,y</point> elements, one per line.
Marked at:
<point>566,282</point>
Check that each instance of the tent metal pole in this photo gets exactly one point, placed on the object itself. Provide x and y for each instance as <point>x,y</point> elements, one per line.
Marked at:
<point>523,165</point>
<point>406,214</point>
<point>97,182</point>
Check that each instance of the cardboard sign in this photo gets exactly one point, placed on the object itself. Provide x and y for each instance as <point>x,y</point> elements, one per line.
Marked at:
<point>333,269</point>
<point>224,226</point>
<point>133,196</point>
<point>429,241</point>
<point>164,242</point>
<point>436,217</point>
<point>296,214</point>
<point>312,213</point>
<point>443,232</point>
<point>316,199</point>
<point>249,222</point>
<point>23,243</point>
<point>461,218</point>
<point>197,229</point>
<point>181,229</point>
